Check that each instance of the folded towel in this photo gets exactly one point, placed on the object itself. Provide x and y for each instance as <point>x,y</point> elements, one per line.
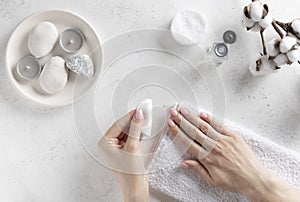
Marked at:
<point>184,185</point>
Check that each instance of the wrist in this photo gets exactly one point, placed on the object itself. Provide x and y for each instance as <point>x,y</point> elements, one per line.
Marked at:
<point>136,196</point>
<point>136,192</point>
<point>267,187</point>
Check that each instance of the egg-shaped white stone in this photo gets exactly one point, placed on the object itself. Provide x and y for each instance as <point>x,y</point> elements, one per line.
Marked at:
<point>42,39</point>
<point>54,76</point>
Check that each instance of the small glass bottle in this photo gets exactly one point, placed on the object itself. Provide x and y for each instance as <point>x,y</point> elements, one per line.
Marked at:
<point>219,51</point>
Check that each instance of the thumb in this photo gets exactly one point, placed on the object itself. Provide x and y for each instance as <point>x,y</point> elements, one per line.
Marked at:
<point>133,141</point>
<point>198,168</point>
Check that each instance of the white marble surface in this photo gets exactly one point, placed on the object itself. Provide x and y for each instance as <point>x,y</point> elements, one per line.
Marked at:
<point>41,157</point>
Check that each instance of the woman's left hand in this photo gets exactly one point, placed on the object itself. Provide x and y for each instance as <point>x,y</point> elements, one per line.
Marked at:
<point>121,146</point>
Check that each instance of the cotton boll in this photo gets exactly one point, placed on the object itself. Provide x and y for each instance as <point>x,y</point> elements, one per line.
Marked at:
<point>255,28</point>
<point>287,43</point>
<point>247,22</point>
<point>293,55</point>
<point>272,47</point>
<point>296,27</point>
<point>265,65</point>
<point>256,11</point>
<point>266,21</point>
<point>281,59</point>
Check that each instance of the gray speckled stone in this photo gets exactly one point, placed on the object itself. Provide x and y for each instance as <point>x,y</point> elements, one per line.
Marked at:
<point>81,64</point>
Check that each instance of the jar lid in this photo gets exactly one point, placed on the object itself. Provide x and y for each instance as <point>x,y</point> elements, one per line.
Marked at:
<point>229,37</point>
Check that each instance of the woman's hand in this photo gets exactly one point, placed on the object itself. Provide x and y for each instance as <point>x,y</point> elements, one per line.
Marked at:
<point>224,159</point>
<point>121,147</point>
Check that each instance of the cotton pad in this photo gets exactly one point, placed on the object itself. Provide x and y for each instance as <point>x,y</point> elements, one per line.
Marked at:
<point>188,28</point>
<point>146,107</point>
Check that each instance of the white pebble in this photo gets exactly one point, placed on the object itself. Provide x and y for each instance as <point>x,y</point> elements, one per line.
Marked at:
<point>281,59</point>
<point>266,67</point>
<point>294,55</point>
<point>287,43</point>
<point>296,27</point>
<point>256,11</point>
<point>42,39</point>
<point>272,50</point>
<point>54,76</point>
<point>188,28</point>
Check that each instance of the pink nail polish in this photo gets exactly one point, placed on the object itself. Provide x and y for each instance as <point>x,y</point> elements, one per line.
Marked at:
<point>171,123</point>
<point>139,115</point>
<point>203,115</point>
<point>185,165</point>
<point>173,112</point>
<point>184,111</point>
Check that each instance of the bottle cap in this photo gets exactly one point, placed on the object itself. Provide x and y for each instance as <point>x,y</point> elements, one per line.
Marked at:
<point>229,37</point>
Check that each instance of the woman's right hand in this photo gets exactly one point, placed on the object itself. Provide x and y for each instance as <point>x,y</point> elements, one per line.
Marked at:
<point>225,160</point>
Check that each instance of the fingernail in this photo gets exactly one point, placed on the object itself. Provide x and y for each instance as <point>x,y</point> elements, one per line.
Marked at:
<point>203,115</point>
<point>139,115</point>
<point>185,165</point>
<point>173,112</point>
<point>171,123</point>
<point>184,111</point>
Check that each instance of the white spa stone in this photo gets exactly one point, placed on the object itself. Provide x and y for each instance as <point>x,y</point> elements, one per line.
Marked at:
<point>42,39</point>
<point>146,107</point>
<point>294,55</point>
<point>54,76</point>
<point>256,11</point>
<point>188,28</point>
<point>287,44</point>
<point>81,64</point>
<point>281,59</point>
<point>272,50</point>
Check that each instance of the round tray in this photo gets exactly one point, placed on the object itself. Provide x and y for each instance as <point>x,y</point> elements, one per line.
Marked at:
<point>17,47</point>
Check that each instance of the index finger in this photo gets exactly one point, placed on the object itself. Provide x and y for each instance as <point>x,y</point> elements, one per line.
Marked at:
<point>120,125</point>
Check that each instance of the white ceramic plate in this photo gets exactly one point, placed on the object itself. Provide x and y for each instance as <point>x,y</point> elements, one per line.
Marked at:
<point>17,48</point>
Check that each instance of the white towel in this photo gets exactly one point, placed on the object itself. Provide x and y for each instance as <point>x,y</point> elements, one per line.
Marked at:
<point>184,185</point>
